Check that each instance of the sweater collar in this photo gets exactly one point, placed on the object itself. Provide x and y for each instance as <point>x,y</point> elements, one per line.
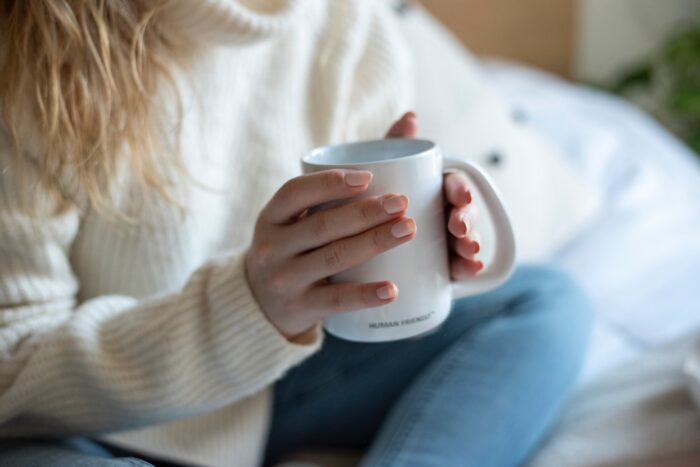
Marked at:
<point>234,21</point>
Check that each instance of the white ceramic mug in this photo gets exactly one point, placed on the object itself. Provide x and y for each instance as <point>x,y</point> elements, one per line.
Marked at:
<point>419,268</point>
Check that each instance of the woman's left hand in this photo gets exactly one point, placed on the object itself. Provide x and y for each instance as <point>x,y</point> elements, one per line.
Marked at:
<point>464,240</point>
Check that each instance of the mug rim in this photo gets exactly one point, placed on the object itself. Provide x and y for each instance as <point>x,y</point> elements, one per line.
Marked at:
<point>315,153</point>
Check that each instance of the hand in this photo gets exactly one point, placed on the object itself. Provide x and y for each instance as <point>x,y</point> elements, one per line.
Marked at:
<point>464,240</point>
<point>294,252</point>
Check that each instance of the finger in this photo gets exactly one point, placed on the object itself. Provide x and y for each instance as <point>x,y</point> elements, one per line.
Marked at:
<point>309,190</point>
<point>461,268</point>
<point>352,251</point>
<point>351,219</point>
<point>462,220</point>
<point>405,127</point>
<point>457,189</point>
<point>467,247</point>
<point>336,298</point>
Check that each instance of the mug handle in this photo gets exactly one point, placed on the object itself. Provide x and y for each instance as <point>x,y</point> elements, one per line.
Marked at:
<point>503,261</point>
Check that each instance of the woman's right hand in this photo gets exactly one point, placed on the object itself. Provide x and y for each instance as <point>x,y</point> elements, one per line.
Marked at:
<point>293,252</point>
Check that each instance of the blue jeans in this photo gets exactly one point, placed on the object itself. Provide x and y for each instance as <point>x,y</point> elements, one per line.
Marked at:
<point>482,390</point>
<point>74,452</point>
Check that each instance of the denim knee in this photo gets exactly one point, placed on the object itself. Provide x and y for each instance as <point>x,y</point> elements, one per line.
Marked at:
<point>563,312</point>
<point>551,283</point>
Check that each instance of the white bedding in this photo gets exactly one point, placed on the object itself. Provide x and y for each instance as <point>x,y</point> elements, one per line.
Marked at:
<point>638,414</point>
<point>640,261</point>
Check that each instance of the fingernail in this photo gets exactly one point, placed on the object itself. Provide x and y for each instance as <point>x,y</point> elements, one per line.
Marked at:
<point>358,178</point>
<point>469,196</point>
<point>386,292</point>
<point>394,204</point>
<point>403,228</point>
<point>480,266</point>
<point>476,247</point>
<point>411,114</point>
<point>464,224</point>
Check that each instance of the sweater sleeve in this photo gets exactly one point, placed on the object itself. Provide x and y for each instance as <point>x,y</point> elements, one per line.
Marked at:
<point>117,362</point>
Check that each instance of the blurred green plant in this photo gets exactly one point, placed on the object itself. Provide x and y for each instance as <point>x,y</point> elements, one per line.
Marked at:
<point>670,84</point>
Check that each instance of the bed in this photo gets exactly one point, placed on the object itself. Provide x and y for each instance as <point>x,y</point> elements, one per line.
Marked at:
<point>627,225</point>
<point>639,262</point>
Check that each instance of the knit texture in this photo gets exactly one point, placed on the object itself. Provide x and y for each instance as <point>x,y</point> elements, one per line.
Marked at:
<point>149,333</point>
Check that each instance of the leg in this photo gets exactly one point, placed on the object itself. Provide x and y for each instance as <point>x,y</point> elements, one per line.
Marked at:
<point>76,452</point>
<point>489,398</point>
<point>341,396</point>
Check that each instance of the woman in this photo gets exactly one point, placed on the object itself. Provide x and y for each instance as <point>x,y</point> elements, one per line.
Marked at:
<point>157,283</point>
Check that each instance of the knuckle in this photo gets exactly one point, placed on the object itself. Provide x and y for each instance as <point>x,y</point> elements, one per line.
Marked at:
<point>263,225</point>
<point>336,298</point>
<point>264,217</point>
<point>334,255</point>
<point>262,253</point>
<point>366,296</point>
<point>366,211</point>
<point>321,225</point>
<point>287,191</point>
<point>279,283</point>
<point>378,239</point>
<point>457,177</point>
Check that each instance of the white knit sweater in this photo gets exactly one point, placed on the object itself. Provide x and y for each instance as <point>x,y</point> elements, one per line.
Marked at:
<point>153,328</point>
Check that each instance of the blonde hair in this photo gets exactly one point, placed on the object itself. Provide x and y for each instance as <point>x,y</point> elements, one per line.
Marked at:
<point>85,74</point>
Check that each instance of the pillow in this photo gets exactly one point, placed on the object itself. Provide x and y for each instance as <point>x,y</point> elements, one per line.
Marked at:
<point>548,203</point>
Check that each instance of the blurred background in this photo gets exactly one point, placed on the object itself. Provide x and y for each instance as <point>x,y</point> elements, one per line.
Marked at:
<point>587,115</point>
<point>590,40</point>
<point>627,46</point>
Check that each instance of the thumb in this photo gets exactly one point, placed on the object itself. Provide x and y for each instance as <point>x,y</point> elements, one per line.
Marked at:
<point>405,127</point>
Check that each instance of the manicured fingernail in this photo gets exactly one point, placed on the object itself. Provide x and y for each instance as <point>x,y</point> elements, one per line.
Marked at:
<point>403,228</point>
<point>386,292</point>
<point>476,247</point>
<point>394,204</point>
<point>358,178</point>
<point>464,224</point>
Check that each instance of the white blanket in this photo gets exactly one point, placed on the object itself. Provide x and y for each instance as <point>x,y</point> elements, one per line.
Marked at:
<point>640,264</point>
<point>640,412</point>
<point>640,261</point>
